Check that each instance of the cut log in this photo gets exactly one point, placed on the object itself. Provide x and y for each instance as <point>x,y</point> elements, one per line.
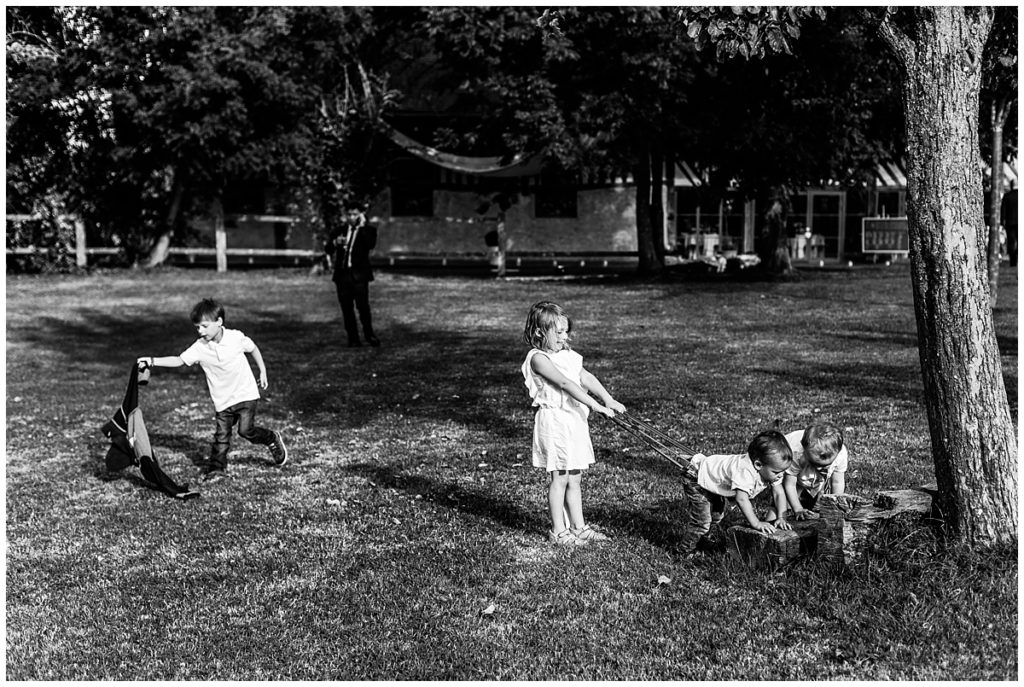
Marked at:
<point>761,550</point>
<point>848,520</point>
<point>838,534</point>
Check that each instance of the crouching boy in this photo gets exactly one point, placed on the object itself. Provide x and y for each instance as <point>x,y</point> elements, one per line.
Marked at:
<point>735,478</point>
<point>819,467</point>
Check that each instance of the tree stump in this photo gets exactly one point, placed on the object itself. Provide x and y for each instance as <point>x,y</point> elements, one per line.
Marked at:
<point>846,521</point>
<point>838,534</point>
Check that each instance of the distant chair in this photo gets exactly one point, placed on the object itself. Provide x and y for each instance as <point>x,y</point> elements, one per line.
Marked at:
<point>817,246</point>
<point>691,246</point>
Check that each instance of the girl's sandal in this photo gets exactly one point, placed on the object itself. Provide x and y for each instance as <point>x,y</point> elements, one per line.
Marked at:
<point>564,538</point>
<point>587,533</point>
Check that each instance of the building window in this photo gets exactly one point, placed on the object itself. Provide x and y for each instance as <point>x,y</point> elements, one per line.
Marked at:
<point>890,204</point>
<point>412,185</point>
<point>556,201</point>
<point>555,196</point>
<point>687,210</point>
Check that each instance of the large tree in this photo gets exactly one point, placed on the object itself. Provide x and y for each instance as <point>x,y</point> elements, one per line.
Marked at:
<point>939,54</point>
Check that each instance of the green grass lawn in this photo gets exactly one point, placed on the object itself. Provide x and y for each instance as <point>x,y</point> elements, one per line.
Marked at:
<point>409,506</point>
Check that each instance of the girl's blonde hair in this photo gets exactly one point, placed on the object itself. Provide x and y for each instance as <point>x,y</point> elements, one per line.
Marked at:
<point>543,316</point>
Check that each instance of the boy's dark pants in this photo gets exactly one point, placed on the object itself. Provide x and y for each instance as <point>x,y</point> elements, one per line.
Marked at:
<point>352,296</point>
<point>702,508</point>
<point>244,414</point>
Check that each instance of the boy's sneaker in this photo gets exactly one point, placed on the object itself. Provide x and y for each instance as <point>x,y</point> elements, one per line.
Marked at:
<point>279,450</point>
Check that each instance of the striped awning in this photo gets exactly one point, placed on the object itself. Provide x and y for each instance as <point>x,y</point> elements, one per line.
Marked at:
<point>686,177</point>
<point>890,175</point>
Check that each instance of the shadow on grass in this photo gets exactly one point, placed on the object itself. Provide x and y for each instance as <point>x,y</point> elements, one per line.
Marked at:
<point>660,523</point>
<point>422,372</point>
<point>99,333</point>
<point>880,337</point>
<point>883,382</point>
<point>452,495</point>
<point>195,449</point>
<point>1007,345</point>
<point>428,371</point>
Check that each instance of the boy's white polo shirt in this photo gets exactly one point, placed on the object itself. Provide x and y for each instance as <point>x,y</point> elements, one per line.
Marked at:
<point>725,474</point>
<point>228,374</point>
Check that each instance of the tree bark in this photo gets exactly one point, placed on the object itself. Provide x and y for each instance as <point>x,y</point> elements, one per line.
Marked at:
<point>500,268</point>
<point>775,257</point>
<point>658,205</point>
<point>995,199</point>
<point>972,433</point>
<point>160,250</point>
<point>649,264</point>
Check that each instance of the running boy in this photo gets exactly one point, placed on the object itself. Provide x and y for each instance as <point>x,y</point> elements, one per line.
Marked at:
<point>736,478</point>
<point>221,353</point>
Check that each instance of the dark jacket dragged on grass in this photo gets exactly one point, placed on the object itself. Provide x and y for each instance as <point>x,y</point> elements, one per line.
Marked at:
<point>129,442</point>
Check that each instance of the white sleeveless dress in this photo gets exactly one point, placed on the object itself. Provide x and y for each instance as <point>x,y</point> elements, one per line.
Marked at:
<point>561,435</point>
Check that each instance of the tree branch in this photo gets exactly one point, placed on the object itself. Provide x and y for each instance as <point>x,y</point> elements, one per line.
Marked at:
<point>980,29</point>
<point>1002,111</point>
<point>897,40</point>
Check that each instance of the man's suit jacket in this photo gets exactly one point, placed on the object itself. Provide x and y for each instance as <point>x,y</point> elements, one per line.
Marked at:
<point>360,270</point>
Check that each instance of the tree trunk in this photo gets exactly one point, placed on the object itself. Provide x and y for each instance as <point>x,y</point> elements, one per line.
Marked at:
<point>973,436</point>
<point>500,268</point>
<point>658,205</point>
<point>160,250</point>
<point>775,257</point>
<point>995,198</point>
<point>649,264</point>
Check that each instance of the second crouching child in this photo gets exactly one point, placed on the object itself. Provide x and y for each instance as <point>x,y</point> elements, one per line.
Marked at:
<point>820,462</point>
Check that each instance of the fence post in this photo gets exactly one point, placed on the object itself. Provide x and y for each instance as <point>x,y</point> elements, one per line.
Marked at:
<point>80,256</point>
<point>221,236</point>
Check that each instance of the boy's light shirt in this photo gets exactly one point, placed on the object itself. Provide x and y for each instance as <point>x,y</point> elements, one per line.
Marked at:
<point>806,476</point>
<point>228,374</point>
<point>724,474</point>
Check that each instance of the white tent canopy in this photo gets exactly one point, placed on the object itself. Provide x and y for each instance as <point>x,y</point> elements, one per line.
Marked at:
<point>518,165</point>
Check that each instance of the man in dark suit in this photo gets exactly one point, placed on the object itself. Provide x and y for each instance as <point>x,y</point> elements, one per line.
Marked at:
<point>349,246</point>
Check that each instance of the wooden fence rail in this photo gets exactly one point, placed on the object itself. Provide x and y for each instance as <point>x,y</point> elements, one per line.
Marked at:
<point>220,251</point>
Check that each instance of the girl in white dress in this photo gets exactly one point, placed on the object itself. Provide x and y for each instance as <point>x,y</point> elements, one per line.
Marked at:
<point>560,388</point>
